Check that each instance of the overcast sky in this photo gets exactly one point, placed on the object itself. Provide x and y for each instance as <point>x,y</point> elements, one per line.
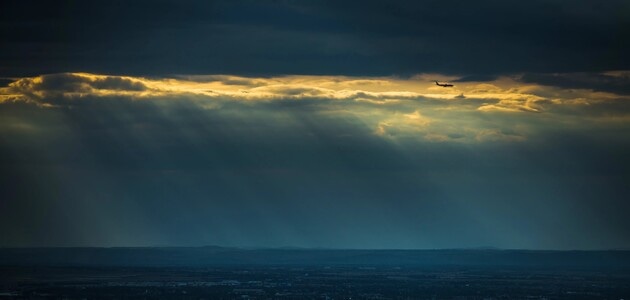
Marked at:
<point>315,124</point>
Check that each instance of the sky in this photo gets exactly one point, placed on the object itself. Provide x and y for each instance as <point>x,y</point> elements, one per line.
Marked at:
<point>315,124</point>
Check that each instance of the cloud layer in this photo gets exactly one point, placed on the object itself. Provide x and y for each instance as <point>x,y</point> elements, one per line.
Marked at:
<point>323,161</point>
<point>480,38</point>
<point>509,108</point>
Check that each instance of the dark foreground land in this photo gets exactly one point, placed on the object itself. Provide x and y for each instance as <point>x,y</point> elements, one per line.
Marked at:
<point>224,273</point>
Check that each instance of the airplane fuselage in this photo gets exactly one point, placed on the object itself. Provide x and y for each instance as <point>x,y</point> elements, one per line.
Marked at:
<point>443,84</point>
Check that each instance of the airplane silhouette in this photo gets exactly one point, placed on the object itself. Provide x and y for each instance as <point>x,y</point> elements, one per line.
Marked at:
<point>443,84</point>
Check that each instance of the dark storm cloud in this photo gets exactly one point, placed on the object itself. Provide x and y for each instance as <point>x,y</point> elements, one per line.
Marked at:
<point>53,84</point>
<point>614,83</point>
<point>476,38</point>
<point>476,78</point>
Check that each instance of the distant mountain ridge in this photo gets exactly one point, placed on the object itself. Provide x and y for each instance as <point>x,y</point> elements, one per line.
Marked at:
<point>218,256</point>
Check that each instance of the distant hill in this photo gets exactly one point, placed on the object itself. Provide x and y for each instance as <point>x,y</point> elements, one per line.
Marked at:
<point>217,256</point>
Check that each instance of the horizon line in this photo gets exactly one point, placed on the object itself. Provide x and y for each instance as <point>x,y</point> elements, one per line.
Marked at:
<point>252,248</point>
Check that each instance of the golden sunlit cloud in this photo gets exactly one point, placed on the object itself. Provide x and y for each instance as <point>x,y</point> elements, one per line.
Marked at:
<point>391,106</point>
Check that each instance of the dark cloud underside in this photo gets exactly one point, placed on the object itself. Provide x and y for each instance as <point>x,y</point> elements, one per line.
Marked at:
<point>313,37</point>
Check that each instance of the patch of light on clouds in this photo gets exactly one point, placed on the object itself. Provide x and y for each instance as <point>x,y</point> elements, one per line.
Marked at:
<point>500,110</point>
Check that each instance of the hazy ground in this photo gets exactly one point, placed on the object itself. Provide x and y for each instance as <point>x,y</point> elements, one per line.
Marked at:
<point>228,273</point>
